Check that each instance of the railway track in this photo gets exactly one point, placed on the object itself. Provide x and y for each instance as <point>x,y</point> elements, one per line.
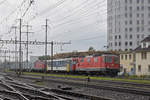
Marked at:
<point>14,90</point>
<point>125,87</point>
<point>108,82</point>
<point>99,81</point>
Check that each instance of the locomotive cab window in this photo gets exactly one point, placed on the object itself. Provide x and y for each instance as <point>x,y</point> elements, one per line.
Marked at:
<point>108,59</point>
<point>116,60</point>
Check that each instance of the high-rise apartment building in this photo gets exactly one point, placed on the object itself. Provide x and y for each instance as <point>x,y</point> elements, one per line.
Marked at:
<point>128,22</point>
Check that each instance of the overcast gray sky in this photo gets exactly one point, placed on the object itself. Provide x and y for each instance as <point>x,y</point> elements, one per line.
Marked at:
<point>83,22</point>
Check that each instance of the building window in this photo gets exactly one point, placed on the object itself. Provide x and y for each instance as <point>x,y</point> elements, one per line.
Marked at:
<point>116,37</point>
<point>126,43</point>
<point>119,43</point>
<point>142,15</point>
<point>130,22</point>
<point>149,8</point>
<point>130,8</point>
<point>142,7</point>
<point>137,15</point>
<point>138,1</point>
<point>130,15</point>
<point>138,36</point>
<point>119,37</point>
<point>130,43</point>
<point>126,1</point>
<point>138,43</point>
<point>138,8</point>
<point>115,43</point>
<point>126,22</point>
<point>148,1</point>
<point>144,55</point>
<point>149,22</point>
<point>139,68</point>
<point>122,57</point>
<point>126,8</point>
<point>138,22</point>
<point>126,57</point>
<point>126,30</point>
<point>130,29</point>
<point>126,49</point>
<point>130,1</point>
<point>149,29</point>
<point>130,56</point>
<point>144,45</point>
<point>149,15</point>
<point>111,44</point>
<point>126,36</point>
<point>130,36</point>
<point>126,15</point>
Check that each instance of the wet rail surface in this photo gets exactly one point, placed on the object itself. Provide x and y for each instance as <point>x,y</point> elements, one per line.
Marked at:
<point>14,90</point>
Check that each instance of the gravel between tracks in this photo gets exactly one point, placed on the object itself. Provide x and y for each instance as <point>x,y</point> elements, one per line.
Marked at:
<point>98,92</point>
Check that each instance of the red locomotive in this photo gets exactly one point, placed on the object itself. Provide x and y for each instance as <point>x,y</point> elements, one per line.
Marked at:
<point>105,64</point>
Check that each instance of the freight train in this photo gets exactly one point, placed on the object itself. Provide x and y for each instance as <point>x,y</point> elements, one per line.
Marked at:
<point>100,65</point>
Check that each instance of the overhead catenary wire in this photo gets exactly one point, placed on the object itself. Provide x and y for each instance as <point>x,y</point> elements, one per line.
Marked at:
<point>83,17</point>
<point>81,10</point>
<point>15,10</point>
<point>47,9</point>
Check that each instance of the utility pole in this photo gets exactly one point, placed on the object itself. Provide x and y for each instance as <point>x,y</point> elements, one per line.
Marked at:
<point>27,44</point>
<point>20,54</point>
<point>16,60</point>
<point>46,31</point>
<point>52,44</point>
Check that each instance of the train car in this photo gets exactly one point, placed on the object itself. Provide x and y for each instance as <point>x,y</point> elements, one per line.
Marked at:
<point>38,66</point>
<point>104,64</point>
<point>60,65</point>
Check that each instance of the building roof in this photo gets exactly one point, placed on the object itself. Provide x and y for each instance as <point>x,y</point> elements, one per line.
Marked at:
<point>139,49</point>
<point>147,39</point>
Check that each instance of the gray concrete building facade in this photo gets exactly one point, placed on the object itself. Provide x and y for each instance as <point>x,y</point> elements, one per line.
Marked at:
<point>128,22</point>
